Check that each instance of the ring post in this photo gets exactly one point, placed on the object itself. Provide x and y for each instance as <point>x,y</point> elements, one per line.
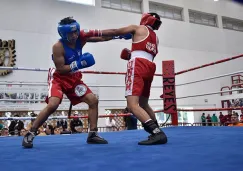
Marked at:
<point>169,95</point>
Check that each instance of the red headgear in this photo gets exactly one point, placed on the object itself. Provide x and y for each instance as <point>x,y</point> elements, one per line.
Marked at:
<point>150,20</point>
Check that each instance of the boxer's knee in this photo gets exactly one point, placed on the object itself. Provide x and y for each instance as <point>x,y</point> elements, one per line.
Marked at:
<point>53,104</point>
<point>91,101</point>
<point>132,102</point>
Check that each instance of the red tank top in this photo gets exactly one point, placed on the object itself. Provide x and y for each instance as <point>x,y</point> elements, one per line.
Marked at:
<point>149,44</point>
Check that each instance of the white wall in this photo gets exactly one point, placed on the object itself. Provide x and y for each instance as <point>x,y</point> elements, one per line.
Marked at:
<point>33,25</point>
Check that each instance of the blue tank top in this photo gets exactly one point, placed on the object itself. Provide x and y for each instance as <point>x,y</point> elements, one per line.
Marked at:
<point>70,54</point>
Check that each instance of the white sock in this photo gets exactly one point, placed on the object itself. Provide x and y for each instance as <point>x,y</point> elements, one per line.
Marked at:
<point>148,120</point>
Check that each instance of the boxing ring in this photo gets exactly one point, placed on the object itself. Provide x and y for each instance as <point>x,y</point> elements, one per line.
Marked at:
<point>189,148</point>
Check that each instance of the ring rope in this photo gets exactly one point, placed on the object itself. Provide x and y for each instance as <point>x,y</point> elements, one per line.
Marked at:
<point>121,115</point>
<point>64,100</point>
<point>110,86</point>
<point>212,93</point>
<point>45,84</point>
<point>209,64</point>
<point>210,78</point>
<point>197,95</point>
<point>85,72</point>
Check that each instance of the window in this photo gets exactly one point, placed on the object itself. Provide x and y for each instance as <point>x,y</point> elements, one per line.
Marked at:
<point>166,11</point>
<point>123,5</point>
<point>84,2</point>
<point>203,18</point>
<point>232,24</point>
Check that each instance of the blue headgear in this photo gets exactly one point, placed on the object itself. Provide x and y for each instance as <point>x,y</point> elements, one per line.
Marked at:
<point>63,30</point>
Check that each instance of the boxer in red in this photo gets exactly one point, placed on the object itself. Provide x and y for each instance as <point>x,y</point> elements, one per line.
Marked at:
<point>66,77</point>
<point>140,72</point>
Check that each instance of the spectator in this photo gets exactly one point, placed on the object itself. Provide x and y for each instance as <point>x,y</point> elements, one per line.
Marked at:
<point>235,121</point>
<point>15,126</point>
<point>110,124</point>
<point>203,119</point>
<point>130,121</point>
<point>221,119</point>
<point>4,132</point>
<point>23,132</point>
<point>214,120</point>
<point>57,131</point>
<point>32,120</point>
<point>62,123</point>
<point>75,123</point>
<point>1,126</point>
<point>228,118</point>
<point>241,115</point>
<point>49,130</point>
<point>209,120</point>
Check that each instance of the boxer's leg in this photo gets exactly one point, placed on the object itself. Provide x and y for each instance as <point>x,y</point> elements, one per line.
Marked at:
<point>82,93</point>
<point>143,102</point>
<point>135,85</point>
<point>133,106</point>
<point>51,107</point>
<point>92,102</point>
<point>53,100</point>
<point>144,98</point>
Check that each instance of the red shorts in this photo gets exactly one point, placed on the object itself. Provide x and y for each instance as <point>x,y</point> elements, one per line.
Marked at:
<point>139,77</point>
<point>69,84</point>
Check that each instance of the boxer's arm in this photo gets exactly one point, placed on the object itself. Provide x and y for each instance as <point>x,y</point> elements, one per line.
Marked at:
<point>59,60</point>
<point>121,31</point>
<point>93,36</point>
<point>98,39</point>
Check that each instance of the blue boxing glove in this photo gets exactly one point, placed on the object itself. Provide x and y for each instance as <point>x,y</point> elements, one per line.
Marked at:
<point>125,36</point>
<point>85,61</point>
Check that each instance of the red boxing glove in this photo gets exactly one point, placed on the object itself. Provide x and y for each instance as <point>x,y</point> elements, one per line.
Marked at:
<point>91,33</point>
<point>126,54</point>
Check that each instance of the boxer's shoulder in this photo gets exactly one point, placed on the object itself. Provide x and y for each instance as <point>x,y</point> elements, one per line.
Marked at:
<point>58,46</point>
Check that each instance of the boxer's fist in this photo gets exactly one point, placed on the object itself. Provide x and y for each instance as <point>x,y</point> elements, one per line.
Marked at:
<point>85,61</point>
<point>126,54</point>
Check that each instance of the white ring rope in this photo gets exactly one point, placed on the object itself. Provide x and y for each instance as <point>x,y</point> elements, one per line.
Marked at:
<point>64,100</point>
<point>210,78</point>
<point>205,94</point>
<point>23,69</point>
<point>29,118</point>
<point>45,84</point>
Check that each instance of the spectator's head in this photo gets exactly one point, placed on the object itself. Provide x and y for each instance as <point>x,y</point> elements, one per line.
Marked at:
<point>214,114</point>
<point>57,130</point>
<point>220,113</point>
<point>32,114</point>
<point>241,118</point>
<point>49,130</point>
<point>76,114</point>
<point>126,110</point>
<point>4,132</point>
<point>23,132</point>
<point>44,125</point>
<point>203,114</point>
<point>234,119</point>
<point>229,112</point>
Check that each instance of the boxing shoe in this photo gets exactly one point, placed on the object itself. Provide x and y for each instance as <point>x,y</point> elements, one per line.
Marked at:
<point>94,138</point>
<point>155,139</point>
<point>28,139</point>
<point>157,135</point>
